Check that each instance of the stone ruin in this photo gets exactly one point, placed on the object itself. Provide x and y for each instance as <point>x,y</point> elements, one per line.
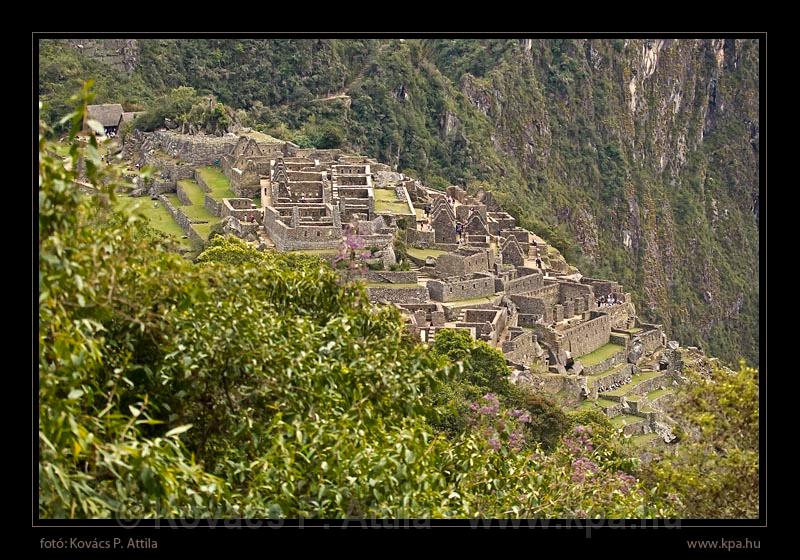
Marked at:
<point>478,270</point>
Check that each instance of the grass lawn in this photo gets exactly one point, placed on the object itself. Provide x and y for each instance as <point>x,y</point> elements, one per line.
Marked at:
<point>423,254</point>
<point>597,404</point>
<point>643,439</point>
<point>653,395</point>
<point>193,191</point>
<point>216,180</point>
<point>197,210</point>
<point>204,230</point>
<point>386,201</point>
<point>624,420</point>
<point>610,371</point>
<point>600,355</point>
<point>635,381</point>
<point>158,216</point>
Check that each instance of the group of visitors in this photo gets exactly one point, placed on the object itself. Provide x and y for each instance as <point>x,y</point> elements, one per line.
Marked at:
<point>607,301</point>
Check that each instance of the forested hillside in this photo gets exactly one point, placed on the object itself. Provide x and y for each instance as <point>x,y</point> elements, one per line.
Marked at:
<point>638,159</point>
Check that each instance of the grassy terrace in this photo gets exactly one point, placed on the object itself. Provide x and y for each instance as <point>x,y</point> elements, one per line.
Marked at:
<point>643,439</point>
<point>601,354</point>
<point>637,379</point>
<point>158,216</point>
<point>196,211</point>
<point>596,404</point>
<point>624,420</point>
<point>423,254</point>
<point>653,395</point>
<point>610,371</point>
<point>216,180</point>
<point>386,201</point>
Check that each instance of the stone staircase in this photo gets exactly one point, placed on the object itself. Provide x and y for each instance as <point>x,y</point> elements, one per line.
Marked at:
<point>432,334</point>
<point>264,238</point>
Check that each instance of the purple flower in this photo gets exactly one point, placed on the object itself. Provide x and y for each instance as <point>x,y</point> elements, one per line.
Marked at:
<point>494,443</point>
<point>581,467</point>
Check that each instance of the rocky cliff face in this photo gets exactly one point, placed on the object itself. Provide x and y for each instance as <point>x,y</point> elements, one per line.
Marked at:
<point>122,54</point>
<point>647,151</point>
<point>637,159</point>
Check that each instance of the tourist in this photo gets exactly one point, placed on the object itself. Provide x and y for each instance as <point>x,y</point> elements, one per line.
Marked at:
<point>538,263</point>
<point>570,361</point>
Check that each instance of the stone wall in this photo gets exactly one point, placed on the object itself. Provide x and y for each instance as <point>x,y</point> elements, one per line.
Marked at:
<point>601,288</point>
<point>651,339</point>
<point>524,284</point>
<point>455,289</point>
<point>240,208</point>
<point>182,220</point>
<point>305,237</point>
<point>532,307</point>
<point>499,221</point>
<point>618,358</point>
<point>463,212</point>
<point>587,336</point>
<point>619,339</point>
<point>548,293</point>
<point>528,319</point>
<point>566,389</point>
<point>195,149</point>
<point>619,314</point>
<point>523,349</point>
<point>420,239</point>
<point>391,277</point>
<point>212,205</point>
<point>573,290</point>
<point>398,295</point>
<point>458,264</point>
<point>604,383</point>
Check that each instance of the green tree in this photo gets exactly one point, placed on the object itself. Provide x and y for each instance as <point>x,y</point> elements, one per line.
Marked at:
<point>715,471</point>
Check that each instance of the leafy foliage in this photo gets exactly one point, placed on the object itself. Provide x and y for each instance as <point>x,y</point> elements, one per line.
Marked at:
<point>716,470</point>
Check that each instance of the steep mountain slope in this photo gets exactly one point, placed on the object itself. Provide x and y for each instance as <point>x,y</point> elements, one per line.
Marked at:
<point>638,159</point>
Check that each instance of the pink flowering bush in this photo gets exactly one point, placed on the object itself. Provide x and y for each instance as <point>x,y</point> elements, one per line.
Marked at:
<point>502,428</point>
<point>352,255</point>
